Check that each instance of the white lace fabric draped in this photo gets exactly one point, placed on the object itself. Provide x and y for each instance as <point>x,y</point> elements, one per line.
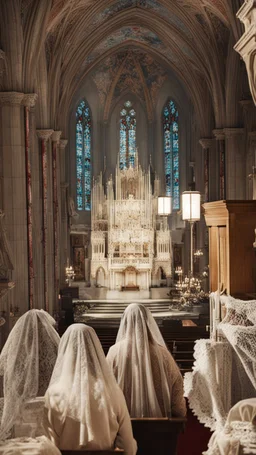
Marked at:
<point>28,446</point>
<point>84,406</point>
<point>207,387</point>
<point>144,369</point>
<point>238,436</point>
<point>224,372</point>
<point>239,328</point>
<point>26,363</point>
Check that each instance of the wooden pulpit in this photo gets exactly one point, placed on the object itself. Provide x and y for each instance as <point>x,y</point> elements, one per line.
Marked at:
<point>232,257</point>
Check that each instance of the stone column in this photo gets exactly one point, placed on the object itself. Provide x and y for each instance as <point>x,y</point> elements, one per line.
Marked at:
<point>37,213</point>
<point>220,138</point>
<point>13,192</point>
<point>235,163</point>
<point>64,252</point>
<point>56,225</point>
<point>246,46</point>
<point>29,102</point>
<point>44,135</point>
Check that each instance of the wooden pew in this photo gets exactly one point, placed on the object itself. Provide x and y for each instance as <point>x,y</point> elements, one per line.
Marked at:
<point>157,436</point>
<point>154,436</point>
<point>92,452</point>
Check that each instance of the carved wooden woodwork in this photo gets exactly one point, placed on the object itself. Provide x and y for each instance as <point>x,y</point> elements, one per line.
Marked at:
<point>232,258</point>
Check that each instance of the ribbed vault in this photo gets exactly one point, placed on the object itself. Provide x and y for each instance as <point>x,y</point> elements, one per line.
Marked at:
<point>66,40</point>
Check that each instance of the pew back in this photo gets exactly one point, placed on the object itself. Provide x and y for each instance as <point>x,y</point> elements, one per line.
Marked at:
<point>157,436</point>
<point>91,452</point>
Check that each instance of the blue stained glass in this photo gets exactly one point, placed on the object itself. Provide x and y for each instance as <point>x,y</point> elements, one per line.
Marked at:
<point>171,152</point>
<point>83,156</point>
<point>127,136</point>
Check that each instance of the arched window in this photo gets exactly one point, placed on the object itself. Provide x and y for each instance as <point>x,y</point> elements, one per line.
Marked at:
<point>127,136</point>
<point>83,156</point>
<point>171,153</point>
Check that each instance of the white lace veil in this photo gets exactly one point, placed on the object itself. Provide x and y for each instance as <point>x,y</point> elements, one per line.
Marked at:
<point>239,327</point>
<point>26,363</point>
<point>146,315</point>
<point>82,386</point>
<point>140,363</point>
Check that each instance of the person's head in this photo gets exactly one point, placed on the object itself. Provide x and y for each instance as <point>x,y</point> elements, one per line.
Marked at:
<point>79,345</point>
<point>26,362</point>
<point>82,381</point>
<point>33,334</point>
<point>138,321</point>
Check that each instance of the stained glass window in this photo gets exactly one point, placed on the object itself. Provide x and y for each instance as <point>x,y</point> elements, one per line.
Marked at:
<point>171,153</point>
<point>127,136</point>
<point>83,156</point>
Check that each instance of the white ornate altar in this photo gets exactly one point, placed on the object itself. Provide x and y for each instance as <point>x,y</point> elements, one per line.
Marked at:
<point>131,248</point>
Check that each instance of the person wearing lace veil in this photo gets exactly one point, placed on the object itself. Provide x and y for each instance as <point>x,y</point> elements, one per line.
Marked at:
<point>84,407</point>
<point>26,364</point>
<point>144,368</point>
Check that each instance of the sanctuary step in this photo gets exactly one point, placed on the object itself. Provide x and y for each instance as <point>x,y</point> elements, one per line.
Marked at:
<point>106,307</point>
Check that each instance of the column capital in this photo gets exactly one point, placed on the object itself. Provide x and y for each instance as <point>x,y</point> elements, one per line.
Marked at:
<point>30,99</point>
<point>206,142</point>
<point>229,132</point>
<point>11,98</point>
<point>219,134</point>
<point>56,136</point>
<point>44,134</point>
<point>63,143</point>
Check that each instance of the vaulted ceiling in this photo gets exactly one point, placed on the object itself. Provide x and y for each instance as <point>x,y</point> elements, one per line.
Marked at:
<point>134,43</point>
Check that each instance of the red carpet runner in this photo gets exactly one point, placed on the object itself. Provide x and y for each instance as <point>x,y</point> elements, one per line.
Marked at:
<point>195,438</point>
